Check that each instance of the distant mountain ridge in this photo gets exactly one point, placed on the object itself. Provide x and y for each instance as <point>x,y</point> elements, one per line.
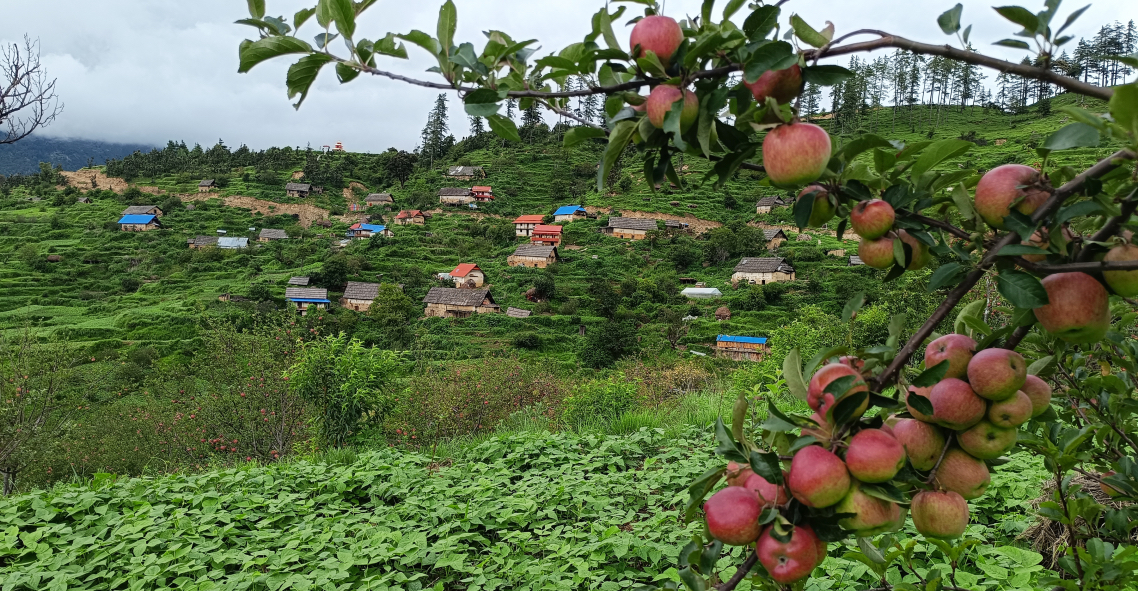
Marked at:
<point>24,156</point>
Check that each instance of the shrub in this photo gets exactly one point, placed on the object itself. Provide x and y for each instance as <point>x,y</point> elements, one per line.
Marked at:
<point>527,340</point>
<point>601,401</point>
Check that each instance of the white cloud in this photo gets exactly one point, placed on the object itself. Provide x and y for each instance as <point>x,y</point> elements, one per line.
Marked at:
<point>152,70</point>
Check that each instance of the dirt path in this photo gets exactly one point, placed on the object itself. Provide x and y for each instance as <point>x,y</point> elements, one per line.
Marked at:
<point>81,180</point>
<point>307,213</point>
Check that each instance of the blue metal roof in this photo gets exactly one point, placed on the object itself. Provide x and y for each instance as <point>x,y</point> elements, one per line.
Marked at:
<point>569,210</point>
<point>726,338</point>
<point>372,227</point>
<point>136,219</point>
<point>310,300</point>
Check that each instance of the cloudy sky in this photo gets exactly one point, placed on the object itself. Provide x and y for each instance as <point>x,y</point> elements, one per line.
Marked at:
<point>152,70</point>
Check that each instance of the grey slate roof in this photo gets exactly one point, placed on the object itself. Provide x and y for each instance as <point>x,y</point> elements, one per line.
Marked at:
<point>856,261</point>
<point>306,293</point>
<point>513,312</point>
<point>454,192</point>
<point>305,187</point>
<point>202,241</point>
<point>379,198</point>
<point>206,183</point>
<point>632,223</point>
<point>357,290</point>
<point>139,210</point>
<point>464,171</point>
<point>272,234</point>
<point>773,201</point>
<point>763,265</point>
<point>534,250</point>
<point>457,297</point>
<point>302,281</point>
<point>774,233</point>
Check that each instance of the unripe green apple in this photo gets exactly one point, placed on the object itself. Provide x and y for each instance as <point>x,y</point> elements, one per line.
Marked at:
<point>874,456</point>
<point>942,515</point>
<point>1124,283</point>
<point>1011,413</point>
<point>823,210</point>
<point>1078,310</point>
<point>817,478</point>
<point>963,473</point>
<point>733,515</point>
<point>997,374</point>
<point>796,153</point>
<point>986,441</point>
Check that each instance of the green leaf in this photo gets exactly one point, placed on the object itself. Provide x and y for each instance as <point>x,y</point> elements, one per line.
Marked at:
<point>1015,250</point>
<point>698,490</point>
<point>932,375</point>
<point>1020,289</point>
<point>825,75</point>
<point>947,274</point>
<point>302,17</point>
<point>504,128</point>
<point>853,305</point>
<point>346,73</point>
<point>772,56</point>
<point>422,40</point>
<point>761,22</point>
<point>949,20</point>
<point>268,48</point>
<point>884,491</point>
<point>1020,16</point>
<point>1074,135</point>
<point>939,152</point>
<point>846,407</point>
<point>1020,224</point>
<point>728,447</point>
<point>606,29</point>
<point>387,46</point>
<point>1040,366</point>
<point>792,372</point>
<point>767,465</point>
<point>920,403</point>
<point>302,74</point>
<point>963,202</point>
<point>581,133</point>
<point>257,8</point>
<point>977,324</point>
<point>1077,210</point>
<point>344,15</point>
<point>481,109</point>
<point>803,207</point>
<point>618,141</point>
<point>1124,107</point>
<point>807,33</point>
<point>1071,19</point>
<point>693,580</point>
<point>732,7</point>
<point>448,22</point>
<point>324,13</point>
<point>1013,43</point>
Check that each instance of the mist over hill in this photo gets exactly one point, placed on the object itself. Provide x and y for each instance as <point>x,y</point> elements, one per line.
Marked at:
<point>25,156</point>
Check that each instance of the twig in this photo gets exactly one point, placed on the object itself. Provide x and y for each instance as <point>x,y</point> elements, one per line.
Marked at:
<point>1017,335</point>
<point>947,227</point>
<point>1111,226</point>
<point>1087,267</point>
<point>943,451</point>
<point>573,116</point>
<point>740,573</point>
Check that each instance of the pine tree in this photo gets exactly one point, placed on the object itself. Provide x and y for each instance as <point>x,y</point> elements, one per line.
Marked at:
<point>477,127</point>
<point>811,101</point>
<point>434,136</point>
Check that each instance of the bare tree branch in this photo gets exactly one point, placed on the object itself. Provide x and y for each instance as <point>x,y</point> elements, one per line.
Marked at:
<point>27,98</point>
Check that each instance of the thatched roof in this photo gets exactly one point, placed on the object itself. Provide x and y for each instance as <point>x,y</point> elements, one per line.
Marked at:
<point>457,297</point>
<point>535,250</point>
<point>272,234</point>
<point>361,291</point>
<point>763,265</point>
<point>632,224</point>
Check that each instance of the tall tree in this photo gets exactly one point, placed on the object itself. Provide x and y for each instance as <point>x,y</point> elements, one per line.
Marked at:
<point>477,127</point>
<point>27,97</point>
<point>434,136</point>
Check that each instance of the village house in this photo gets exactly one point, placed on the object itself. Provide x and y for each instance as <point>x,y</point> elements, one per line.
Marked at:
<point>447,302</point>
<point>855,261</point>
<point>379,199</point>
<point>307,297</point>
<point>298,281</point>
<point>767,204</point>
<point>199,242</point>
<point>139,223</point>
<point>232,242</point>
<point>455,196</point>
<point>762,270</point>
<point>206,185</point>
<point>359,296</point>
<point>466,173</point>
<point>547,235</point>
<point>774,238</point>
<point>741,348</point>
<point>513,312</point>
<point>839,252</point>
<point>538,256</point>
<point>85,200</point>
<point>523,226</point>
<point>569,213</point>
<point>143,210</point>
<point>409,217</point>
<point>633,228</point>
<point>482,194</point>
<point>298,190</point>
<point>362,231</point>
<point>269,234</point>
<point>468,276</point>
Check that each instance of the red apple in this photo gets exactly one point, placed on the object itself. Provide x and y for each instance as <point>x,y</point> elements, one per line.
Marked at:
<point>660,102</point>
<point>1039,240</point>
<point>957,349</point>
<point>782,85</point>
<point>793,560</point>
<point>921,256</point>
<point>823,402</point>
<point>963,473</point>
<point>1000,187</point>
<point>854,362</point>
<point>733,515</point>
<point>823,432</point>
<point>922,441</point>
<point>986,441</point>
<point>1124,283</point>
<point>796,153</point>
<point>941,515</point>
<point>872,515</point>
<point>1039,392</point>
<point>769,494</point>
<point>823,210</point>
<point>1011,413</point>
<point>817,478</point>
<point>1079,308</point>
<point>737,474</point>
<point>997,374</point>
<point>874,456</point>
<point>955,405</point>
<point>642,107</point>
<point>661,35</point>
<point>877,253</point>
<point>924,393</point>
<point>872,219</point>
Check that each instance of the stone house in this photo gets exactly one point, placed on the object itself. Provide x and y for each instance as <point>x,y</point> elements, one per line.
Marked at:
<point>839,252</point>
<point>307,297</point>
<point>409,217</point>
<point>466,173</point>
<point>269,234</point>
<point>767,204</point>
<point>139,223</point>
<point>85,200</point>
<point>741,348</point>
<point>468,275</point>
<point>206,185</point>
<point>762,270</point>
<point>547,235</point>
<point>298,190</point>
<point>359,296</point>
<point>447,302</point>
<point>632,228</point>
<point>538,256</point>
<point>201,242</point>
<point>143,210</point>
<point>524,225</point>
<point>455,196</point>
<point>379,199</point>
<point>774,238</point>
<point>569,213</point>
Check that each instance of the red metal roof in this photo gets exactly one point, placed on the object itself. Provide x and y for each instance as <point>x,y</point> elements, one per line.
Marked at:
<point>529,219</point>
<point>481,189</point>
<point>408,213</point>
<point>464,269</point>
<point>356,226</point>
<point>543,229</point>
